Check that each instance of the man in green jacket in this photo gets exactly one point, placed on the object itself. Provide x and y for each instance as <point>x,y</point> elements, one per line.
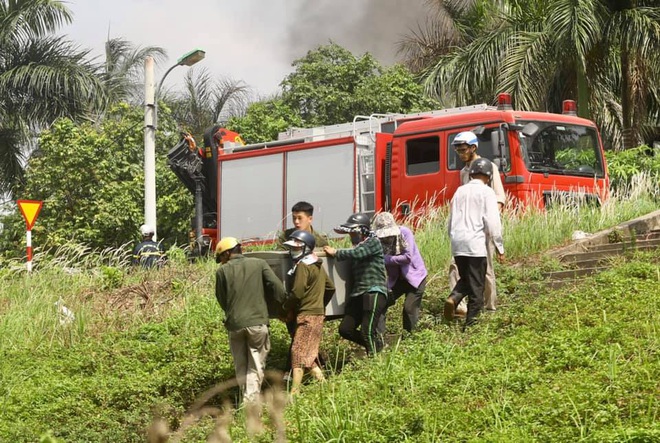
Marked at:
<point>242,285</point>
<point>310,287</point>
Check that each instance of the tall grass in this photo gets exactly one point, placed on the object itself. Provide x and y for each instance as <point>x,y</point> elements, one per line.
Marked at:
<point>561,367</point>
<point>568,366</point>
<point>531,231</point>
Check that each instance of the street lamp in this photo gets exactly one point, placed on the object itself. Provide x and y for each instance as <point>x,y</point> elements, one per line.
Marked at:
<point>187,59</point>
<point>150,109</point>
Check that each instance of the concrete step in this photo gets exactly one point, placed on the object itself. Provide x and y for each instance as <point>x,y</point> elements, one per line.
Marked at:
<point>626,245</point>
<point>573,273</point>
<point>596,257</point>
<point>594,253</point>
<point>617,249</point>
<point>591,262</point>
<point>649,235</point>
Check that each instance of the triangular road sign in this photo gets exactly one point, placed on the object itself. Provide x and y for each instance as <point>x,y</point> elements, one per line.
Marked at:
<point>30,210</point>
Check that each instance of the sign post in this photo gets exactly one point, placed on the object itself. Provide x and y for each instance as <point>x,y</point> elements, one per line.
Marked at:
<point>30,210</point>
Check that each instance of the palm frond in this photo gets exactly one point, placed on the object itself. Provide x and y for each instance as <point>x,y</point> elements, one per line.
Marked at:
<point>525,68</point>
<point>48,78</point>
<point>207,100</point>
<point>13,138</point>
<point>445,27</point>
<point>231,99</point>
<point>636,30</point>
<point>476,74</point>
<point>425,44</point>
<point>123,70</point>
<point>24,19</point>
<point>577,25</point>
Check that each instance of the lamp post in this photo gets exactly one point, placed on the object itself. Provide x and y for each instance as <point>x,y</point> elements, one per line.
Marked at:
<point>150,110</point>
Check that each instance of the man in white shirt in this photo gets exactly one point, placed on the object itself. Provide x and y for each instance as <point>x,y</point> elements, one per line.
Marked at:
<point>474,219</point>
<point>466,145</point>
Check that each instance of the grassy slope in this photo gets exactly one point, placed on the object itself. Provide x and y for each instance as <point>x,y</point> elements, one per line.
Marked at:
<point>548,366</point>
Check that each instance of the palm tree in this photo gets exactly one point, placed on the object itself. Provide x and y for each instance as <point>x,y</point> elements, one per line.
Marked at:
<point>451,23</point>
<point>122,72</point>
<point>42,77</point>
<point>602,52</point>
<point>206,101</point>
<point>634,29</point>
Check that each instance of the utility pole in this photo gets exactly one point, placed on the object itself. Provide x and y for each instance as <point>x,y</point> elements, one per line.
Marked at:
<point>150,145</point>
<point>150,109</point>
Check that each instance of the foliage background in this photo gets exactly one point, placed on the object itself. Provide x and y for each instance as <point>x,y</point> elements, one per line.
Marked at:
<point>622,166</point>
<point>91,179</point>
<point>329,86</point>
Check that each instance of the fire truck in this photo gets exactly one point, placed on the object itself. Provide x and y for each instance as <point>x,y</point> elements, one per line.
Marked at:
<point>384,162</point>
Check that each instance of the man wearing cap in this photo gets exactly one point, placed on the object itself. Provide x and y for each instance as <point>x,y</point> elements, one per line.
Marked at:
<point>242,285</point>
<point>466,144</point>
<point>148,253</point>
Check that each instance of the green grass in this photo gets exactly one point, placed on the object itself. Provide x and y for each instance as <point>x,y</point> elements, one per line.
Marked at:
<point>580,364</point>
<point>559,366</point>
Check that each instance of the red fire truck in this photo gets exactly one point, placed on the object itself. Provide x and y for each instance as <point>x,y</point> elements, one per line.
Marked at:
<point>394,162</point>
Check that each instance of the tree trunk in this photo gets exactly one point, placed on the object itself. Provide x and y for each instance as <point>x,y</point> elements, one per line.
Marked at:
<point>632,100</point>
<point>583,98</point>
<point>626,100</point>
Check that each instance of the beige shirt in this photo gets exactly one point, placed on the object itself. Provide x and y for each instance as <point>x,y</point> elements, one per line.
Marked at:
<point>495,182</point>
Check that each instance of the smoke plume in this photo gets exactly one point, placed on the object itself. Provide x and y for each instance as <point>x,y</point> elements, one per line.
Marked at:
<point>374,26</point>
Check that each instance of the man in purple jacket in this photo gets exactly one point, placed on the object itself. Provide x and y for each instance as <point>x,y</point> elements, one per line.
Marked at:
<point>406,272</point>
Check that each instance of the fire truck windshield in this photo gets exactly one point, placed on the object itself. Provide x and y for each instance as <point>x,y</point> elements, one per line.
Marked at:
<point>562,149</point>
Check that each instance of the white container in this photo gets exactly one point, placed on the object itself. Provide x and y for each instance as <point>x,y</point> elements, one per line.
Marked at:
<point>338,271</point>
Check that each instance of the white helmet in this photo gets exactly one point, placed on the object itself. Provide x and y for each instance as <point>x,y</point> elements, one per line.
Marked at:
<point>146,230</point>
<point>467,137</point>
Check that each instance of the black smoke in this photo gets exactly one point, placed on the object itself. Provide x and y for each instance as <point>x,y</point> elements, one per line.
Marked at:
<point>374,26</point>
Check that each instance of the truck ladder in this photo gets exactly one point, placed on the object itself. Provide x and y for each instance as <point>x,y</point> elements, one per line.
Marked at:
<point>365,142</point>
<point>370,124</point>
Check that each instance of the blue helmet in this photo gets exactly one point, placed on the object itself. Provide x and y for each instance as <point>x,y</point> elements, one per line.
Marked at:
<point>300,238</point>
<point>303,240</point>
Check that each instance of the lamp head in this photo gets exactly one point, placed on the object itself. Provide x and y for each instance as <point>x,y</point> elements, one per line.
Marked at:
<point>191,57</point>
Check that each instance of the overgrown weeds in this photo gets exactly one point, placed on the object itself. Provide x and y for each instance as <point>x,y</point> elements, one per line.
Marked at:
<point>576,364</point>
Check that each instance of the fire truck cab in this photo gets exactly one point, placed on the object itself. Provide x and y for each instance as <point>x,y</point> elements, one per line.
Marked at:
<point>395,162</point>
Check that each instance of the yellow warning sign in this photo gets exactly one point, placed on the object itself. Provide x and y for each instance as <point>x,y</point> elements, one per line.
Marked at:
<point>30,210</point>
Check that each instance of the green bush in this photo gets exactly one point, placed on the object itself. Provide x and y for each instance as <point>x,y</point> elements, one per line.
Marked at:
<point>623,165</point>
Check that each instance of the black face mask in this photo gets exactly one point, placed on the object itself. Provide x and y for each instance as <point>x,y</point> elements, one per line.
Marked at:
<point>356,238</point>
<point>389,245</point>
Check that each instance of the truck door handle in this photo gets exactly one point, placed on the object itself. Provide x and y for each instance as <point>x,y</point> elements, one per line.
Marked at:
<point>405,209</point>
